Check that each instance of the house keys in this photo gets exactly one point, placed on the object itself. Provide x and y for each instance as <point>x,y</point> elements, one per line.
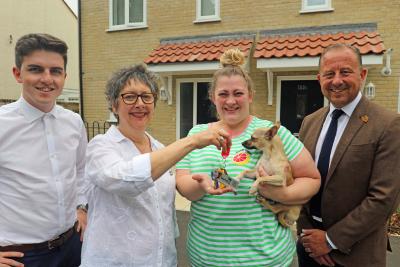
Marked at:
<point>220,176</point>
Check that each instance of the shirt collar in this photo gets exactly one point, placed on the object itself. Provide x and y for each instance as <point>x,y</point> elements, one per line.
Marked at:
<point>31,113</point>
<point>349,108</point>
<point>117,136</point>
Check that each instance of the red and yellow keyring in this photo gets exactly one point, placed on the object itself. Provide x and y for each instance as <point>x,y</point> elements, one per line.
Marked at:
<point>220,176</point>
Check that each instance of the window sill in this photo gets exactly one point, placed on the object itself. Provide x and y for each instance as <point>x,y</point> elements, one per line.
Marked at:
<point>125,28</point>
<point>319,10</point>
<point>206,20</point>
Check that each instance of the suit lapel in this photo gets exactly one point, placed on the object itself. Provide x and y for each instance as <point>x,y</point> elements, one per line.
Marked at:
<point>316,131</point>
<point>353,126</point>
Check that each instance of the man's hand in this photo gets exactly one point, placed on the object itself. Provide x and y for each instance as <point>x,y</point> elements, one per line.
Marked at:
<point>81,215</point>
<point>6,262</point>
<point>325,260</point>
<point>314,242</point>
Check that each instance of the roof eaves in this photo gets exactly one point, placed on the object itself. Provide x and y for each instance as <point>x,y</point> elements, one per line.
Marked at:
<point>330,29</point>
<point>208,38</point>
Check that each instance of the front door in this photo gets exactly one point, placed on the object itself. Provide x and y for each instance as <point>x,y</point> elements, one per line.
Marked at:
<point>298,99</point>
<point>194,106</point>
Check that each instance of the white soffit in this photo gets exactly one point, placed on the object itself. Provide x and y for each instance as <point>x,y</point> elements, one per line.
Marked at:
<point>183,68</point>
<point>306,63</point>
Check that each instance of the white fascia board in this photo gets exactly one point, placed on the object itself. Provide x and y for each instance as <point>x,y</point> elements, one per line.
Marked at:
<point>183,68</point>
<point>369,60</point>
<point>287,63</point>
<point>306,63</point>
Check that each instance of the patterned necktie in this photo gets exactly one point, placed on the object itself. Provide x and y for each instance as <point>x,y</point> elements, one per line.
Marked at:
<point>323,161</point>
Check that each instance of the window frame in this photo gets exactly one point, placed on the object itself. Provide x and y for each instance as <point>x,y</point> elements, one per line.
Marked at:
<point>195,82</point>
<point>306,8</point>
<point>127,25</point>
<point>200,18</point>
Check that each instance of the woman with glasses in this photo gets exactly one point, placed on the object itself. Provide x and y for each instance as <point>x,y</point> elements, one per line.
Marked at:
<point>131,187</point>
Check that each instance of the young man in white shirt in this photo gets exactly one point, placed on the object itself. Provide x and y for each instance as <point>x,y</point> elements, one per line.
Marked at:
<point>42,158</point>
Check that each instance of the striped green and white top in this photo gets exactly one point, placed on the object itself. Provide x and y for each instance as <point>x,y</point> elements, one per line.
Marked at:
<point>235,230</point>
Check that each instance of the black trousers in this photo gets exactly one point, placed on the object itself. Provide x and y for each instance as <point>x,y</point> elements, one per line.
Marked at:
<point>304,259</point>
<point>66,255</point>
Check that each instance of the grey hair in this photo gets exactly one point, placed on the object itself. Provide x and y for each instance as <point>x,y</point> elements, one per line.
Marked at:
<point>120,78</point>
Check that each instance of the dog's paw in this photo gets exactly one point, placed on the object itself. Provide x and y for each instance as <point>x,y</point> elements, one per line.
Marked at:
<point>253,191</point>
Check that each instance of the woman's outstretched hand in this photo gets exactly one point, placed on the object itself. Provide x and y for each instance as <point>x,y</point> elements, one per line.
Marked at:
<point>212,136</point>
<point>206,184</point>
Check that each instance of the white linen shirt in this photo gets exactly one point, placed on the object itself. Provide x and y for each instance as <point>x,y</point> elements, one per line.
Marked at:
<point>131,219</point>
<point>42,158</point>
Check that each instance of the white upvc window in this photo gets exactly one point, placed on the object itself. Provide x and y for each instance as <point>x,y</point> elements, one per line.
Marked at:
<point>128,14</point>
<point>316,6</point>
<point>207,10</point>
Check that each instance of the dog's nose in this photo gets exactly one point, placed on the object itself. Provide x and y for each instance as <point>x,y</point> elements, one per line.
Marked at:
<point>247,144</point>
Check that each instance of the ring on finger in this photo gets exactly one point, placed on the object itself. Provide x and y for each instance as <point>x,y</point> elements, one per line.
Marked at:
<point>221,139</point>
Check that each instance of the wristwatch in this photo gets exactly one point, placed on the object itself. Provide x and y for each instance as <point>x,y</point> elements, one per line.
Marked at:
<point>82,207</point>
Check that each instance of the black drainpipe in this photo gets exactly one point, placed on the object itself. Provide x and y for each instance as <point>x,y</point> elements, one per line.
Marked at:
<point>80,61</point>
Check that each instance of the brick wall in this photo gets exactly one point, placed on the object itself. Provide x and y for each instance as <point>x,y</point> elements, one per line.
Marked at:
<point>104,52</point>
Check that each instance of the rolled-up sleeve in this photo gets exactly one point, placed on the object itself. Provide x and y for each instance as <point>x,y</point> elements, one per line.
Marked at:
<point>108,168</point>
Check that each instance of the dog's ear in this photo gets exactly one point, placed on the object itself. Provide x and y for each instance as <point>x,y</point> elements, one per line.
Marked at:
<point>271,132</point>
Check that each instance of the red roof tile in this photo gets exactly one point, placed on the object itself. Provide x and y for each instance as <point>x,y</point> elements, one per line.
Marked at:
<point>312,45</point>
<point>199,51</point>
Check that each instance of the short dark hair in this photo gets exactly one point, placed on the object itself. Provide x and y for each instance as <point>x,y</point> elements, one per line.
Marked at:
<point>29,43</point>
<point>355,50</point>
<point>120,78</point>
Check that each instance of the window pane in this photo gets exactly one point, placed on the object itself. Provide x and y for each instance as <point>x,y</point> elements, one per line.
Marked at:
<point>135,11</point>
<point>316,2</point>
<point>207,7</point>
<point>118,12</point>
<point>186,108</point>
<point>205,108</point>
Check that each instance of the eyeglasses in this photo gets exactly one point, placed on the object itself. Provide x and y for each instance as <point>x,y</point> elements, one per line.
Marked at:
<point>131,98</point>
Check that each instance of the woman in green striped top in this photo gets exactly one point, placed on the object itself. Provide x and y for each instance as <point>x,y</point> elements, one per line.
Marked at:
<point>235,230</point>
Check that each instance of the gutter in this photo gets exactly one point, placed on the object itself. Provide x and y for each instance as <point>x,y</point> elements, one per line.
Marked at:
<point>81,110</point>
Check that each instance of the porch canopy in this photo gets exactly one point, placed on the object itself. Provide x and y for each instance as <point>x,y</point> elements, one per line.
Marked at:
<point>299,49</point>
<point>196,55</point>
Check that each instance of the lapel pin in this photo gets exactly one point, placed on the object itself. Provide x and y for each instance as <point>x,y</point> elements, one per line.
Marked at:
<point>364,118</point>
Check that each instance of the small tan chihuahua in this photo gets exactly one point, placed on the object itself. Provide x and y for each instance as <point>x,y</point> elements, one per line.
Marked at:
<point>277,166</point>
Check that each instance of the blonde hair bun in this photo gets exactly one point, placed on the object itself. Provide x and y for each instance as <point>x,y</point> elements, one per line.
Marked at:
<point>232,57</point>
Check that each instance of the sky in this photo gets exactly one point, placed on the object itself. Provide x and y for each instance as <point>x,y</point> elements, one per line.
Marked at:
<point>73,4</point>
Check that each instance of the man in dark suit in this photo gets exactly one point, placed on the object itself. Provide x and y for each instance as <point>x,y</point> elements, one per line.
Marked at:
<point>357,150</point>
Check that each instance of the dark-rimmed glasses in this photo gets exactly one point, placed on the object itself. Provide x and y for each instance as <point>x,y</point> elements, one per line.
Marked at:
<point>131,98</point>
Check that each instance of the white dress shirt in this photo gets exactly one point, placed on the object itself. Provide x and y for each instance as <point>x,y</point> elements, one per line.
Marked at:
<point>342,123</point>
<point>132,220</point>
<point>42,158</point>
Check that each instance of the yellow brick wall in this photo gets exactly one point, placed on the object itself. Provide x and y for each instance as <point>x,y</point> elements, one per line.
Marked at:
<point>104,52</point>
